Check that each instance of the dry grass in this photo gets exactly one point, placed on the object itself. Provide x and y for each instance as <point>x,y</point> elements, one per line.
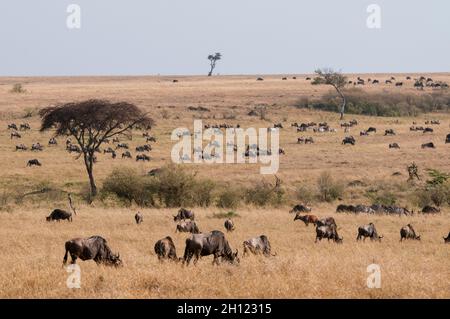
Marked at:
<point>32,250</point>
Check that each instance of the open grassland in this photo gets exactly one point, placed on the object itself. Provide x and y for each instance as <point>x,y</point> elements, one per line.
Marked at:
<point>32,250</point>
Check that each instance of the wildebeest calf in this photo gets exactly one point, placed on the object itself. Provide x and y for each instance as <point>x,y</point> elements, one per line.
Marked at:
<point>165,249</point>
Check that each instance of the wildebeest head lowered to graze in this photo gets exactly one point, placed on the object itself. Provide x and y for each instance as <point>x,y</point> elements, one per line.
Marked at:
<point>328,232</point>
<point>183,214</point>
<point>59,214</point>
<point>368,230</point>
<point>258,245</point>
<point>408,232</point>
<point>212,243</point>
<point>94,247</point>
<point>300,208</point>
<point>165,249</point>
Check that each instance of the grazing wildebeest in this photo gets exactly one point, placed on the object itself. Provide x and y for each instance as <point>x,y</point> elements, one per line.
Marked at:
<point>407,232</point>
<point>363,133</point>
<point>394,145</point>
<point>21,147</point>
<point>328,232</point>
<point>34,162</point>
<point>150,139</point>
<point>126,154</point>
<point>94,247</point>
<point>212,243</point>
<point>375,82</point>
<point>122,145</point>
<point>399,84</point>
<point>327,221</point>
<point>25,126</point>
<point>108,150</point>
<point>15,135</point>
<point>258,245</point>
<point>368,231</point>
<point>73,148</point>
<point>281,151</point>
<point>52,141</point>
<point>183,214</point>
<point>389,132</point>
<point>259,79</point>
<point>300,208</point>
<point>12,126</point>
<point>371,129</point>
<point>144,148</point>
<point>59,214</point>
<point>309,140</point>
<point>430,210</point>
<point>428,130</point>
<point>307,219</point>
<point>447,240</point>
<point>139,218</point>
<point>388,82</point>
<point>284,79</point>
<point>428,145</point>
<point>174,81</point>
<point>447,139</point>
<point>142,157</point>
<point>37,147</point>
<point>229,225</point>
<point>187,227</point>
<point>165,249</point>
<point>349,140</point>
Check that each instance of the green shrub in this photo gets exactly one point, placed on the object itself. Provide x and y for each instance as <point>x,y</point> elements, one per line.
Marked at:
<point>304,194</point>
<point>18,88</point>
<point>328,189</point>
<point>262,194</point>
<point>384,197</point>
<point>230,214</point>
<point>229,198</point>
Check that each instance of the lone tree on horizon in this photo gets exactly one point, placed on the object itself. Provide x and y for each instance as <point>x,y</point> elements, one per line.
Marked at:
<point>336,79</point>
<point>213,58</point>
<point>91,122</point>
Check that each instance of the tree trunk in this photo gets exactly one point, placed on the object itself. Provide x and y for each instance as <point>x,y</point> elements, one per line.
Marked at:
<point>344,102</point>
<point>88,161</point>
<point>212,69</point>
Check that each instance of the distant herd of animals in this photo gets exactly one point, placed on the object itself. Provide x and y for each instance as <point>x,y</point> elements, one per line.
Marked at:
<point>214,242</point>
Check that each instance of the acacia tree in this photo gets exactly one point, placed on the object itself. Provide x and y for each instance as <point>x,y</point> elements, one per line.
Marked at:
<point>336,79</point>
<point>91,123</point>
<point>213,58</point>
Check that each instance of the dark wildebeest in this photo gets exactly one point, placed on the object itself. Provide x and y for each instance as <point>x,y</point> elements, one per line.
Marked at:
<point>229,225</point>
<point>16,135</point>
<point>430,210</point>
<point>428,145</point>
<point>21,147</point>
<point>123,145</point>
<point>139,218</point>
<point>349,140</point>
<point>144,148</point>
<point>407,232</point>
<point>150,139</point>
<point>126,154</point>
<point>327,221</point>
<point>165,249</point>
<point>259,79</point>
<point>368,231</point>
<point>307,219</point>
<point>187,227</point>
<point>394,145</point>
<point>52,141</point>
<point>258,245</point>
<point>212,243</point>
<point>300,208</point>
<point>328,232</point>
<point>94,247</point>
<point>142,157</point>
<point>12,126</point>
<point>428,130</point>
<point>363,133</point>
<point>389,132</point>
<point>34,162</point>
<point>447,240</point>
<point>447,139</point>
<point>399,84</point>
<point>59,214</point>
<point>73,148</point>
<point>184,214</point>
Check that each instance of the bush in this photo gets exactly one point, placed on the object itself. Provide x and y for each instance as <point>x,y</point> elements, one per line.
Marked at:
<point>262,194</point>
<point>230,214</point>
<point>384,197</point>
<point>329,190</point>
<point>202,192</point>
<point>304,194</point>
<point>18,88</point>
<point>435,195</point>
<point>229,198</point>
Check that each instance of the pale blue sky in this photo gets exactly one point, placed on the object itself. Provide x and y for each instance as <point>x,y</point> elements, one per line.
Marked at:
<point>146,37</point>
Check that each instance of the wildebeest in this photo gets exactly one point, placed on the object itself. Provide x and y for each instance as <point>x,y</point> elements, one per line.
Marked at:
<point>259,79</point>
<point>389,132</point>
<point>122,145</point>
<point>229,225</point>
<point>394,145</point>
<point>144,148</point>
<point>349,140</point>
<point>15,135</point>
<point>73,148</point>
<point>257,245</point>
<point>12,126</point>
<point>94,247</point>
<point>399,84</point>
<point>428,145</point>
<point>307,219</point>
<point>430,210</point>
<point>447,240</point>
<point>327,221</point>
<point>34,162</point>
<point>21,147</point>
<point>328,232</point>
<point>300,208</point>
<point>139,218</point>
<point>37,147</point>
<point>52,141</point>
<point>142,157</point>
<point>108,150</point>
<point>212,243</point>
<point>165,249</point>
<point>183,214</point>
<point>368,231</point>
<point>187,227</point>
<point>407,232</point>
<point>447,139</point>
<point>150,139</point>
<point>371,129</point>
<point>428,130</point>
<point>25,126</point>
<point>126,154</point>
<point>58,215</point>
<point>363,133</point>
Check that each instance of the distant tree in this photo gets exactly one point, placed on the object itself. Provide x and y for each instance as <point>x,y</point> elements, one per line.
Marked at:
<point>328,76</point>
<point>213,58</point>
<point>91,122</point>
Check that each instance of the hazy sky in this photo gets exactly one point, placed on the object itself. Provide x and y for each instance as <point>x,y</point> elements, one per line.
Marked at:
<point>146,37</point>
